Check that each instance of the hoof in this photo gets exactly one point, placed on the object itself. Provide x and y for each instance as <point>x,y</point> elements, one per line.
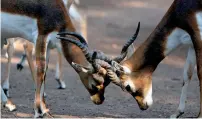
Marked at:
<point>43,115</point>
<point>38,116</point>
<point>176,115</point>
<point>47,115</point>
<point>19,67</point>
<point>45,95</point>
<point>62,84</point>
<point>10,106</point>
<point>60,87</point>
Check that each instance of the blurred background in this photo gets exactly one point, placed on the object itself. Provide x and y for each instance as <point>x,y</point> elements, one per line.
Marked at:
<point>109,24</point>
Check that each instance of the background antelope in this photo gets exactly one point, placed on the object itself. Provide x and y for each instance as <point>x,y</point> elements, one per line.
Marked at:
<point>180,25</point>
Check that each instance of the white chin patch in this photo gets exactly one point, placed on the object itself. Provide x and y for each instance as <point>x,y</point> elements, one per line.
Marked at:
<point>148,98</point>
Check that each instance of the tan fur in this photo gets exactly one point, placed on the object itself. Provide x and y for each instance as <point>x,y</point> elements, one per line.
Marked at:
<point>53,18</point>
<point>146,58</point>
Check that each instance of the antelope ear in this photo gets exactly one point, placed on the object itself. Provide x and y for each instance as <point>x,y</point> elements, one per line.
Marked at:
<point>130,51</point>
<point>120,68</point>
<point>80,68</point>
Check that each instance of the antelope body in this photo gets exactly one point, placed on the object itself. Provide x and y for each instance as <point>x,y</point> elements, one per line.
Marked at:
<point>28,49</point>
<point>182,24</point>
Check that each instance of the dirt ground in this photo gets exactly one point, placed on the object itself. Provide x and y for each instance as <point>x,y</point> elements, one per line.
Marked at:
<point>110,24</point>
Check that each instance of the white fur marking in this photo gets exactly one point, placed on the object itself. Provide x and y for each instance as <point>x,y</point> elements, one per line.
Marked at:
<point>199,22</point>
<point>176,38</point>
<point>10,106</point>
<point>130,83</point>
<point>148,98</point>
<point>57,71</point>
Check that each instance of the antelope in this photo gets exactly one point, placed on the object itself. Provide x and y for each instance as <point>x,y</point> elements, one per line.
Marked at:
<point>28,50</point>
<point>182,24</point>
<point>50,17</point>
<point>76,16</point>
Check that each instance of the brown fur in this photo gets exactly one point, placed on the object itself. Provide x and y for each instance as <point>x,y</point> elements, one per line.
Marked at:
<point>51,16</point>
<point>146,58</point>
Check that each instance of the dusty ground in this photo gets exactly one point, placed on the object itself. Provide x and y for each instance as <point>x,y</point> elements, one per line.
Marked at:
<point>110,23</point>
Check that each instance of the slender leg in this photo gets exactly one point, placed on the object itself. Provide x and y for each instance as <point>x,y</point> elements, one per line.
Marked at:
<point>197,41</point>
<point>199,69</point>
<point>10,51</point>
<point>58,70</point>
<point>28,48</point>
<point>187,75</point>
<point>40,106</point>
<point>3,96</point>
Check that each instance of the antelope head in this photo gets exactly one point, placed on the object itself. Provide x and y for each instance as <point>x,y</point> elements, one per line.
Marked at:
<point>138,83</point>
<point>100,73</point>
<point>135,78</point>
<point>86,69</point>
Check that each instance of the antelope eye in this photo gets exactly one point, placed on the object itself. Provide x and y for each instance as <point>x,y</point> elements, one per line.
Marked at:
<point>118,73</point>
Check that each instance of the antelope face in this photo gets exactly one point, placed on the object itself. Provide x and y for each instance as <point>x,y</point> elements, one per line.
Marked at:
<point>100,73</point>
<point>94,82</point>
<point>139,85</point>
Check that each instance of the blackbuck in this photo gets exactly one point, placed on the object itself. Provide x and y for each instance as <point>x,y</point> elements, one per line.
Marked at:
<point>53,44</point>
<point>182,24</point>
<point>48,17</point>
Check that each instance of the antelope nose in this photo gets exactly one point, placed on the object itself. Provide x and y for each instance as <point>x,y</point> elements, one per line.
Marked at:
<point>145,107</point>
<point>128,88</point>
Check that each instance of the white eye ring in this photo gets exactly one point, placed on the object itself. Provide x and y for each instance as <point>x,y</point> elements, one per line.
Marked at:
<point>130,83</point>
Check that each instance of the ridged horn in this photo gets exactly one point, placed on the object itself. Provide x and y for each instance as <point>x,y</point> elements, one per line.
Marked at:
<point>83,47</point>
<point>125,47</point>
<point>82,40</point>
